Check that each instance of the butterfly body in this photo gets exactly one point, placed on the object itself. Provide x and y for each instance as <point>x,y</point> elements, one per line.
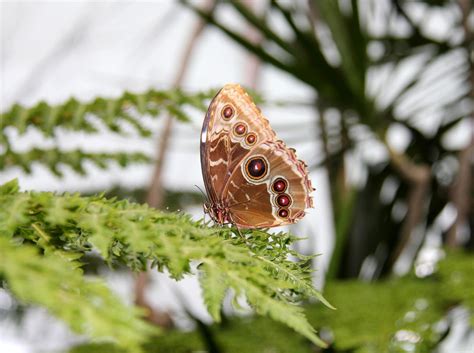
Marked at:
<point>219,213</point>
<point>252,179</point>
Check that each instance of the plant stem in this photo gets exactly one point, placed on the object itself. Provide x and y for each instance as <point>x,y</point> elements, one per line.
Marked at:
<point>156,191</point>
<point>461,191</point>
<point>254,64</point>
<point>45,237</point>
<point>419,177</point>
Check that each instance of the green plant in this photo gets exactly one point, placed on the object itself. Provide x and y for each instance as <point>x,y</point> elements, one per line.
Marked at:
<point>378,317</point>
<point>44,236</point>
<point>112,114</point>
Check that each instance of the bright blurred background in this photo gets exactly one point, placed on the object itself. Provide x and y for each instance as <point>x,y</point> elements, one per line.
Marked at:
<point>375,95</point>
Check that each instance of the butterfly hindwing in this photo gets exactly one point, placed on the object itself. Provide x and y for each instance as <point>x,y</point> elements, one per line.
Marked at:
<point>270,188</point>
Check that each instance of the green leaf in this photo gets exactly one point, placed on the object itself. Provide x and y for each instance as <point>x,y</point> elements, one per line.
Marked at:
<point>65,227</point>
<point>130,107</point>
<point>54,281</point>
<point>10,187</point>
<point>54,158</point>
<point>214,287</point>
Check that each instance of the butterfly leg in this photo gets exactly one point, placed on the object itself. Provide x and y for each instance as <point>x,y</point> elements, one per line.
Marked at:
<point>236,227</point>
<point>238,231</point>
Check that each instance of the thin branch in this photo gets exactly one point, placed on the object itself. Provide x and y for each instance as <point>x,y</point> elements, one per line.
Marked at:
<point>417,199</point>
<point>412,173</point>
<point>419,178</point>
<point>254,64</point>
<point>461,192</point>
<point>45,237</point>
<point>245,9</point>
<point>159,318</point>
<point>155,193</point>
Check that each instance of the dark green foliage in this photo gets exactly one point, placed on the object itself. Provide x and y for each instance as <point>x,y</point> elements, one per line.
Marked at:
<point>253,334</point>
<point>366,323</point>
<point>47,233</point>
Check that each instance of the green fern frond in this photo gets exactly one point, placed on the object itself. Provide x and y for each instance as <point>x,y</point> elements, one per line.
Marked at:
<point>291,315</point>
<point>113,113</point>
<point>54,158</point>
<point>255,265</point>
<point>214,286</point>
<point>129,107</point>
<point>56,282</point>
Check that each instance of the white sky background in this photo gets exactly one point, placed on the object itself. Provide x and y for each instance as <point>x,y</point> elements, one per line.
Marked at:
<point>54,50</point>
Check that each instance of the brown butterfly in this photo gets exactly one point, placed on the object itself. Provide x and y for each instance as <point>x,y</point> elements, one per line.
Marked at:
<point>252,179</point>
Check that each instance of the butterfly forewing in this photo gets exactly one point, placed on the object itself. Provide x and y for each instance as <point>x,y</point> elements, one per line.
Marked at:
<point>233,126</point>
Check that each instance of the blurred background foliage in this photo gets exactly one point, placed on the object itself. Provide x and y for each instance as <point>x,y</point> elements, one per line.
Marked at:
<point>330,46</point>
<point>114,115</point>
<point>414,205</point>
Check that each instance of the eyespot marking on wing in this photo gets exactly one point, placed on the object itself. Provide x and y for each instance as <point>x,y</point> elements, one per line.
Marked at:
<point>240,129</point>
<point>228,112</point>
<point>251,139</point>
<point>256,168</point>
<point>279,185</point>
<point>283,200</point>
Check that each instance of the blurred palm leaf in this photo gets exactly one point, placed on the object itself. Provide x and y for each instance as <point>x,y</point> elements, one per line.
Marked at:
<point>379,67</point>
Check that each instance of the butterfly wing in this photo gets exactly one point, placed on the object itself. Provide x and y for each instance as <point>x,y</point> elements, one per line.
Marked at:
<point>269,188</point>
<point>232,127</point>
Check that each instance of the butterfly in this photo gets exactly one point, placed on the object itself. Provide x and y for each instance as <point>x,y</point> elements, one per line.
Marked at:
<point>252,179</point>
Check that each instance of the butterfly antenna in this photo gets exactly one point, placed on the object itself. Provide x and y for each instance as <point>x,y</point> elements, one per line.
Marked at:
<point>203,194</point>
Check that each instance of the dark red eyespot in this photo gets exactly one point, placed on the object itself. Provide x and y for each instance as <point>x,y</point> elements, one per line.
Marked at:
<point>227,112</point>
<point>256,168</point>
<point>240,129</point>
<point>283,200</point>
<point>251,138</point>
<point>283,213</point>
<point>279,185</point>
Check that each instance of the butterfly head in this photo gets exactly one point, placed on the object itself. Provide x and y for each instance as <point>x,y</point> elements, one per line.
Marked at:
<point>218,213</point>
